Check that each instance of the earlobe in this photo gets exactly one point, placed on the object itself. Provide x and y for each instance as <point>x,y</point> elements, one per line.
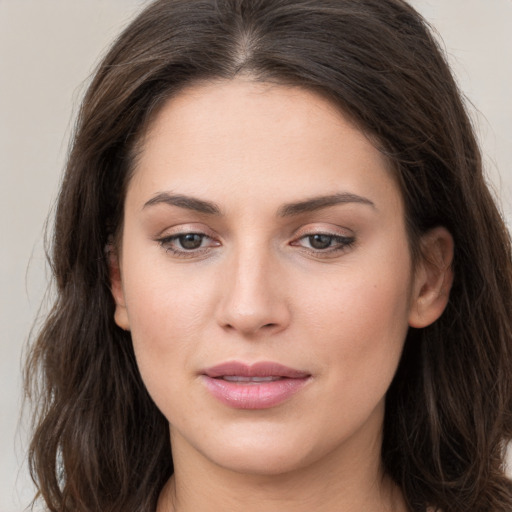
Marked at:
<point>116,287</point>
<point>433,278</point>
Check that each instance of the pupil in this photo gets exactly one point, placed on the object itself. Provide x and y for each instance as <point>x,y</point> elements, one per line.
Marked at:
<point>320,241</point>
<point>191,241</point>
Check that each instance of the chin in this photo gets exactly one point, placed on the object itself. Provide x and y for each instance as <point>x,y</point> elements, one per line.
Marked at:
<point>268,460</point>
<point>261,450</point>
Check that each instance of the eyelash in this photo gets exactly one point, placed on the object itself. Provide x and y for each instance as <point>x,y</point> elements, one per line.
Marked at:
<point>341,244</point>
<point>167,244</point>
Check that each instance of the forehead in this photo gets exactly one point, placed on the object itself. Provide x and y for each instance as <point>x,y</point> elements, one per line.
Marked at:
<point>249,138</point>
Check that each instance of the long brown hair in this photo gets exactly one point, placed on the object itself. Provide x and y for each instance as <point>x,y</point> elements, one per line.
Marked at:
<point>100,444</point>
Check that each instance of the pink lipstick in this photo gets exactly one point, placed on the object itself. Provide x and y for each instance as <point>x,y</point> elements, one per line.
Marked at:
<point>258,386</point>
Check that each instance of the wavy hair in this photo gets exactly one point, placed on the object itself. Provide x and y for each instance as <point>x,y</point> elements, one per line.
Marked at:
<point>100,443</point>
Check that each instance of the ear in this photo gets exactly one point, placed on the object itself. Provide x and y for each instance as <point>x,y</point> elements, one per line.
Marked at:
<point>116,287</point>
<point>433,278</point>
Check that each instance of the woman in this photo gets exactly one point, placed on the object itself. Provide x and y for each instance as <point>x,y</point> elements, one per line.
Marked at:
<point>282,281</point>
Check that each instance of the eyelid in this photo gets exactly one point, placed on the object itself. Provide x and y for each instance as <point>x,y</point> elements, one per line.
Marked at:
<point>169,235</point>
<point>323,229</point>
<point>183,229</point>
<point>343,240</point>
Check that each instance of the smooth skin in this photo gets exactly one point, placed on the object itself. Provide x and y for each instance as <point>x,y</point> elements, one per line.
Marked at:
<point>261,225</point>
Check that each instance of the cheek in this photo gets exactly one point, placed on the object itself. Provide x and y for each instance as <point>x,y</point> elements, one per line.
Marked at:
<point>164,342</point>
<point>166,309</point>
<point>358,340</point>
<point>359,323</point>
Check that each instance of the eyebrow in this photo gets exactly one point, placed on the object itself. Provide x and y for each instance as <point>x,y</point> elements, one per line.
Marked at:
<point>318,203</point>
<point>182,201</point>
<point>287,210</point>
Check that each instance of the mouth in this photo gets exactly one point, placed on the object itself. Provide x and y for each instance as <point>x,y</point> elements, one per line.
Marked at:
<point>255,380</point>
<point>258,386</point>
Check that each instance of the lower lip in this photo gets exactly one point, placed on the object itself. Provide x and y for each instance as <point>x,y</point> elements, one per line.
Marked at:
<point>257,395</point>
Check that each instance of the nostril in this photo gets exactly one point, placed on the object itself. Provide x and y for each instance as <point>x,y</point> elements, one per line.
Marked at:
<point>266,327</point>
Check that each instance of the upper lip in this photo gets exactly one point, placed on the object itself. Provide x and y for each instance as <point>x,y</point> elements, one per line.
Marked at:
<point>259,369</point>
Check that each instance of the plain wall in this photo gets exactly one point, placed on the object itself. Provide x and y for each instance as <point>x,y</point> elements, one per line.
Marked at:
<point>48,49</point>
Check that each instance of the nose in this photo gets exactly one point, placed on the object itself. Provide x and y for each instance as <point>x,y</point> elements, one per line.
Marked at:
<point>253,300</point>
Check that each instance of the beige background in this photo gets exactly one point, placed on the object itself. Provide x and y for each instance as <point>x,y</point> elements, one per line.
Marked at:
<point>47,51</point>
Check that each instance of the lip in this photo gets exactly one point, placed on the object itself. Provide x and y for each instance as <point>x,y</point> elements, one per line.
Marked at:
<point>253,386</point>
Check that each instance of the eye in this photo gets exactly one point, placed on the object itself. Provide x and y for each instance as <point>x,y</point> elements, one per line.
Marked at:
<point>187,244</point>
<point>320,241</point>
<point>324,243</point>
<point>190,241</point>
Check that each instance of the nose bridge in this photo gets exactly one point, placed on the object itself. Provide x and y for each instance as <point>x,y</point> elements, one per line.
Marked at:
<point>252,298</point>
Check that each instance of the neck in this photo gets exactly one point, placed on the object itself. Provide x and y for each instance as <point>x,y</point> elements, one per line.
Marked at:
<point>330,485</point>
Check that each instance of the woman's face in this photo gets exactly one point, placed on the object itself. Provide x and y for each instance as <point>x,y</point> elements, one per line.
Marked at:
<point>265,276</point>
